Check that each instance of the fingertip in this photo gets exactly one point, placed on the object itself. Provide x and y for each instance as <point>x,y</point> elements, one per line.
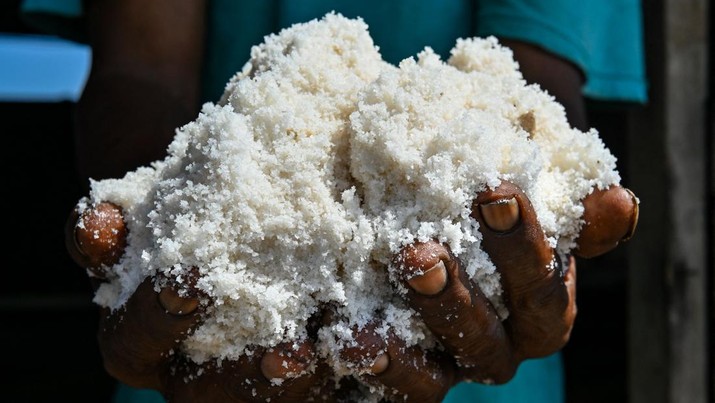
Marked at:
<point>181,297</point>
<point>71,240</point>
<point>411,373</point>
<point>287,360</point>
<point>422,267</point>
<point>368,353</point>
<point>430,282</point>
<point>635,214</point>
<point>501,215</point>
<point>512,235</point>
<point>504,210</point>
<point>176,304</point>
<point>380,365</point>
<point>97,236</point>
<point>420,256</point>
<point>610,217</point>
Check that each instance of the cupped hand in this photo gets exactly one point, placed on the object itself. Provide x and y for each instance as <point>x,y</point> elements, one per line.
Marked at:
<point>539,290</point>
<point>140,342</point>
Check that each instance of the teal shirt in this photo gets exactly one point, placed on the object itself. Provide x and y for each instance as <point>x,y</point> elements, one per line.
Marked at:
<point>602,37</point>
<point>536,381</point>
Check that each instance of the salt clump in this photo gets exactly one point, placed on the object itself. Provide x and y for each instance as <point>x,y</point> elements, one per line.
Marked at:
<point>321,161</point>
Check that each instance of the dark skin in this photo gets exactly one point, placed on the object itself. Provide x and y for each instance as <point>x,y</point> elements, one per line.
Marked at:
<point>136,341</point>
<point>145,83</point>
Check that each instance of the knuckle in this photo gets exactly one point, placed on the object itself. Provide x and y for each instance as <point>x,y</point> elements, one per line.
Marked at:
<point>361,356</point>
<point>124,362</point>
<point>136,376</point>
<point>504,374</point>
<point>494,373</point>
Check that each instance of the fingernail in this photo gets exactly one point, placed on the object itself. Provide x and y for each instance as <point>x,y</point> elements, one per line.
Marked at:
<point>277,363</point>
<point>366,359</point>
<point>500,215</point>
<point>100,234</point>
<point>380,364</point>
<point>432,281</point>
<point>176,304</point>
<point>366,353</point>
<point>634,216</point>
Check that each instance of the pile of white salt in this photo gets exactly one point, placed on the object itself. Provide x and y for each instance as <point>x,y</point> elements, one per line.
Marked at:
<point>321,161</point>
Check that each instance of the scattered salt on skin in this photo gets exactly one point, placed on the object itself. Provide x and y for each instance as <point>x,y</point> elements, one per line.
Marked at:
<point>320,162</point>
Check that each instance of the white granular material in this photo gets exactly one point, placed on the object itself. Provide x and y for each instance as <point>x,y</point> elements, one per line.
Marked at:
<point>321,161</point>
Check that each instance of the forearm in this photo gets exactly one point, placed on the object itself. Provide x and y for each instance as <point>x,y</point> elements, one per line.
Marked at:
<point>123,122</point>
<point>144,84</point>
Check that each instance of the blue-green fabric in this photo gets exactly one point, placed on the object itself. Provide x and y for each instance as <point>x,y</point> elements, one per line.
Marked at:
<point>59,17</point>
<point>602,37</point>
<point>536,381</point>
<point>126,394</point>
<point>236,25</point>
<point>69,9</point>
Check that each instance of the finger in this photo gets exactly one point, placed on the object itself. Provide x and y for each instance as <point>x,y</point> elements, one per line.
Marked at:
<point>610,216</point>
<point>539,320</point>
<point>137,340</point>
<point>287,360</point>
<point>459,314</point>
<point>96,237</point>
<point>181,298</point>
<point>570,281</point>
<point>408,373</point>
<point>285,373</point>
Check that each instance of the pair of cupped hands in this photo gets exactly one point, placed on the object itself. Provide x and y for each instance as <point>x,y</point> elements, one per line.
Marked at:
<point>140,343</point>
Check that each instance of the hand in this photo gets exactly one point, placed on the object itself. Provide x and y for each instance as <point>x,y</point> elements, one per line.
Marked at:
<point>137,341</point>
<point>539,291</point>
<point>140,343</point>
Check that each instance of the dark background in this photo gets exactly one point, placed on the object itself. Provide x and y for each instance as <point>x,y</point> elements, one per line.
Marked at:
<point>48,322</point>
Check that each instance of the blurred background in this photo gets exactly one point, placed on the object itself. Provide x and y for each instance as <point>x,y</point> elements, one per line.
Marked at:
<point>645,326</point>
<point>48,321</point>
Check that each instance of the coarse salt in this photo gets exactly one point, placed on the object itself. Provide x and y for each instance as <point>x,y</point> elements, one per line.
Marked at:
<point>321,161</point>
